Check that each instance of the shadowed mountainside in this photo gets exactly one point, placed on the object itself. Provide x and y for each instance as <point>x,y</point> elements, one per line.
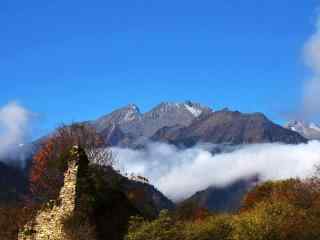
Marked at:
<point>227,127</point>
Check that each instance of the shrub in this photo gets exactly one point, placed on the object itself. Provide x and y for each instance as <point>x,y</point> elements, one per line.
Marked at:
<point>163,228</point>
<point>277,220</point>
<point>212,228</point>
<point>78,228</point>
<point>13,218</point>
<point>281,210</point>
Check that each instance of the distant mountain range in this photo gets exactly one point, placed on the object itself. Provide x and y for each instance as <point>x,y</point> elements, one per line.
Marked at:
<point>228,127</point>
<point>186,124</point>
<point>128,127</point>
<point>189,123</point>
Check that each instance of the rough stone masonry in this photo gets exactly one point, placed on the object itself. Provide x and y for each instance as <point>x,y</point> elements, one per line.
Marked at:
<point>48,223</point>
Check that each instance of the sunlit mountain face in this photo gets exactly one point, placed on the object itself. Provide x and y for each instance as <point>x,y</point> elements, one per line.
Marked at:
<point>187,124</point>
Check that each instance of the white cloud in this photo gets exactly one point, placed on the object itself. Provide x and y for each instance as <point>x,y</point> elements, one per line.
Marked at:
<point>181,173</point>
<point>14,126</point>
<point>311,98</point>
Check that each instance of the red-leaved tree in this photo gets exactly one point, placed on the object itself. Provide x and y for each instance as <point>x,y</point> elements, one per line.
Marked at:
<point>51,160</point>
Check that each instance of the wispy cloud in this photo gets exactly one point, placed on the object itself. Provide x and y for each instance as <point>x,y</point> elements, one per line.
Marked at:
<point>180,173</point>
<point>14,126</point>
<point>311,94</point>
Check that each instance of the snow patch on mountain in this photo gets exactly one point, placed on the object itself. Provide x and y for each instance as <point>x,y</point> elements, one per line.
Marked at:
<point>131,113</point>
<point>308,130</point>
<point>193,110</point>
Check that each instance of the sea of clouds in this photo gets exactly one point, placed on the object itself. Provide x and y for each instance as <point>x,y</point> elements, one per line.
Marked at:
<point>179,173</point>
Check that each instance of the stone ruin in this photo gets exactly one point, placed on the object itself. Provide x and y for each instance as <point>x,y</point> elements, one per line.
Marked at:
<point>48,223</point>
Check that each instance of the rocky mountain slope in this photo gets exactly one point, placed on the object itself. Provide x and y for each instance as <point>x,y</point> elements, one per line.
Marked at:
<point>225,198</point>
<point>140,193</point>
<point>188,123</point>
<point>228,127</point>
<point>129,127</point>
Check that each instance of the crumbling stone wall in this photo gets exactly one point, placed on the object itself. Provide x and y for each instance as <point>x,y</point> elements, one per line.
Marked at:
<point>90,206</point>
<point>48,223</point>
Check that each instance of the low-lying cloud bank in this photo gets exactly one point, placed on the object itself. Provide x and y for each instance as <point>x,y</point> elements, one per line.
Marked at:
<point>14,127</point>
<point>180,173</point>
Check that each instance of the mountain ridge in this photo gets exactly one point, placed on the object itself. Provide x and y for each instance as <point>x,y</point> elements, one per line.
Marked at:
<point>137,127</point>
<point>308,130</point>
<point>187,123</point>
<point>232,127</point>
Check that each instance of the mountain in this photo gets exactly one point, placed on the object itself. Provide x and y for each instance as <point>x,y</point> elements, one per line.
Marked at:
<point>113,135</point>
<point>308,130</point>
<point>185,123</point>
<point>151,196</point>
<point>224,199</point>
<point>231,127</point>
<point>170,114</point>
<point>127,126</point>
<point>141,194</point>
<point>121,117</point>
<point>13,183</point>
<point>188,123</point>
<point>14,169</point>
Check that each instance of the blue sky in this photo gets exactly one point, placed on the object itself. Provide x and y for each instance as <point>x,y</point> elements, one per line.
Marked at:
<point>77,60</point>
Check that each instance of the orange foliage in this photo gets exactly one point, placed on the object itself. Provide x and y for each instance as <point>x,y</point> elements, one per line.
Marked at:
<point>258,194</point>
<point>200,214</point>
<point>302,194</point>
<point>43,180</point>
<point>41,163</point>
<point>50,162</point>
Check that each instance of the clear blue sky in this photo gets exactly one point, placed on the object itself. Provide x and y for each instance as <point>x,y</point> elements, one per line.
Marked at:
<point>77,60</point>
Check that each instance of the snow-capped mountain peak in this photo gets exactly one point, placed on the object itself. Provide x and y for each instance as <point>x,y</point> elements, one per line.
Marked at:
<point>131,113</point>
<point>133,107</point>
<point>123,115</point>
<point>194,108</point>
<point>308,130</point>
<point>167,114</point>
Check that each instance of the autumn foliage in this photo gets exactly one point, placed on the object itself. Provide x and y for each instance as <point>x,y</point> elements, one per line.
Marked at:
<point>275,210</point>
<point>50,162</point>
<point>13,218</point>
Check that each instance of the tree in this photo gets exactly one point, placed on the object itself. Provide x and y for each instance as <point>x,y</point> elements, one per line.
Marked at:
<point>190,211</point>
<point>281,210</point>
<point>12,219</point>
<point>273,220</point>
<point>216,227</point>
<point>299,193</point>
<point>51,160</point>
<point>163,228</point>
